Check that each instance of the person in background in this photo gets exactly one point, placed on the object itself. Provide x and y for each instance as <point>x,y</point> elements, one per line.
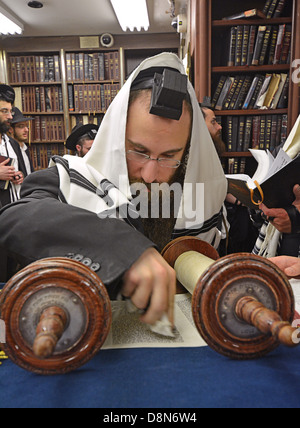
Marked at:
<point>241,233</point>
<point>82,139</point>
<point>11,177</point>
<point>215,129</point>
<point>20,133</point>
<point>12,169</point>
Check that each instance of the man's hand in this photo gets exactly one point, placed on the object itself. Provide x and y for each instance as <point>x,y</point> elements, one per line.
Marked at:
<point>279,217</point>
<point>18,178</point>
<point>289,265</point>
<point>151,285</point>
<point>6,172</point>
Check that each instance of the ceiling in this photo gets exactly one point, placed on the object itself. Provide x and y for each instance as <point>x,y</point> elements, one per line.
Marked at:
<point>84,17</point>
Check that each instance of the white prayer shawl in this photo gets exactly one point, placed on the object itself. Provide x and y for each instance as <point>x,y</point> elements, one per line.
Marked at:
<point>7,150</point>
<point>99,181</point>
<point>268,241</point>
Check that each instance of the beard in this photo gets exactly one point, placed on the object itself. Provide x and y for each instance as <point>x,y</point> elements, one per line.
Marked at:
<point>4,127</point>
<point>163,206</point>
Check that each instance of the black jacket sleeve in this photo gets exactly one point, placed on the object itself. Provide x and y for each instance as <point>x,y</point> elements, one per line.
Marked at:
<point>40,226</point>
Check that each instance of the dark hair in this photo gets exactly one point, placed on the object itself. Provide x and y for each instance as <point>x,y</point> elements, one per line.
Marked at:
<point>7,94</point>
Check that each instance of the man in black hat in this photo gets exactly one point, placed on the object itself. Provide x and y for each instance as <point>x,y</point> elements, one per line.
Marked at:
<point>20,133</point>
<point>11,167</point>
<point>82,138</point>
<point>11,161</point>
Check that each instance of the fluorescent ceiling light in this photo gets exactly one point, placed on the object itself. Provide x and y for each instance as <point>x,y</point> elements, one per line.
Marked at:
<point>9,24</point>
<point>132,14</point>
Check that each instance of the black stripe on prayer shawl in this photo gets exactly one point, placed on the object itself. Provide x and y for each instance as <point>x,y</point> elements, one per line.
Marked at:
<point>62,161</point>
<point>81,181</point>
<point>207,226</point>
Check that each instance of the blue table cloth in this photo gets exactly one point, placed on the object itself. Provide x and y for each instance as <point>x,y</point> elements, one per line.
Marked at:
<point>160,378</point>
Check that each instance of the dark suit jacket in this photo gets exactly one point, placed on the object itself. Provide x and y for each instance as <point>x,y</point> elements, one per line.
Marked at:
<point>40,226</point>
<point>7,266</point>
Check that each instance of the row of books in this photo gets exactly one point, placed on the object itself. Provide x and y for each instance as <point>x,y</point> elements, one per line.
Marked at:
<point>41,99</point>
<point>261,91</point>
<point>242,133</point>
<point>47,129</point>
<point>274,8</point>
<point>91,119</point>
<point>91,98</point>
<point>35,69</point>
<point>234,165</point>
<point>41,154</point>
<point>97,66</point>
<point>259,45</point>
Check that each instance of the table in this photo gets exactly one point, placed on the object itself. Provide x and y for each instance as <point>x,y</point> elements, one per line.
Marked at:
<point>160,378</point>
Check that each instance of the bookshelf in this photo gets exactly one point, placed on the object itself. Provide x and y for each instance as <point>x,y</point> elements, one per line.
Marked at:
<point>79,85</point>
<point>223,47</point>
<point>93,80</point>
<point>37,80</point>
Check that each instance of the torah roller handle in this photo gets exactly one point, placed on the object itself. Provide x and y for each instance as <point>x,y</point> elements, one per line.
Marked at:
<point>57,315</point>
<point>243,305</point>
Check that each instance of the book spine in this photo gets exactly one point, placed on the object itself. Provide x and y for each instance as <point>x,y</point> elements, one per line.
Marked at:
<point>265,45</point>
<point>239,45</point>
<point>259,44</point>
<point>251,46</point>
<point>279,8</point>
<point>279,44</point>
<point>245,45</point>
<point>232,47</point>
<point>267,7</point>
<point>272,9</point>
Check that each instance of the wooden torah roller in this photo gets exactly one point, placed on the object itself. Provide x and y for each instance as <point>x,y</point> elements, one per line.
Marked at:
<point>57,316</point>
<point>242,304</point>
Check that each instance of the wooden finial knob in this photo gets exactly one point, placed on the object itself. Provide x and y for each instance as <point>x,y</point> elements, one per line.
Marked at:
<point>255,313</point>
<point>49,300</point>
<point>49,330</point>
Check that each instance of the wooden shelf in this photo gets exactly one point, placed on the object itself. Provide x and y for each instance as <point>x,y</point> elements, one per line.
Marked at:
<point>259,21</point>
<point>16,84</point>
<point>249,112</point>
<point>237,155</point>
<point>251,69</point>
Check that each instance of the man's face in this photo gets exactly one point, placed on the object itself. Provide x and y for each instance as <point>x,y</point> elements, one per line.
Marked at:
<point>21,132</point>
<point>156,137</point>
<point>5,116</point>
<point>214,128</point>
<point>85,148</point>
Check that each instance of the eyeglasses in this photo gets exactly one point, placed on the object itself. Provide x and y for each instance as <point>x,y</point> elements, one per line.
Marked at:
<point>142,159</point>
<point>7,112</point>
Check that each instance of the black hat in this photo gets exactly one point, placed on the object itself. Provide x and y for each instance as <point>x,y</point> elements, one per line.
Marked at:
<point>18,117</point>
<point>79,131</point>
<point>7,93</point>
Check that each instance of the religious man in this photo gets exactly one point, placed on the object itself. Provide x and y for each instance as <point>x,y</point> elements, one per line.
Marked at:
<point>11,158</point>
<point>215,129</point>
<point>20,133</point>
<point>82,138</point>
<point>85,208</point>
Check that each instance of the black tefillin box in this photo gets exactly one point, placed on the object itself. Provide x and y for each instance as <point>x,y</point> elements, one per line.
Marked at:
<point>169,92</point>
